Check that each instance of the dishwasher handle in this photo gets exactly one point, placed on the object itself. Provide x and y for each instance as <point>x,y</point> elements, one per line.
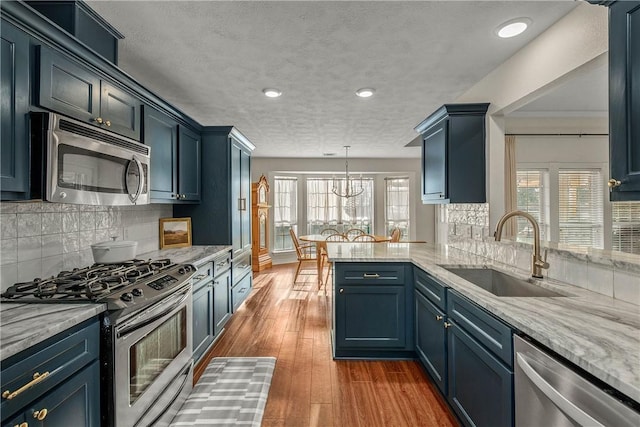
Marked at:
<point>569,409</point>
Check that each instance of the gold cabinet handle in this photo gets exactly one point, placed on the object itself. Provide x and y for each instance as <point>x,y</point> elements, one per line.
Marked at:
<point>108,123</point>
<point>447,325</point>
<point>22,425</point>
<point>341,290</point>
<point>613,183</point>
<point>36,379</point>
<point>438,317</point>
<point>99,120</point>
<point>41,414</point>
<point>370,275</point>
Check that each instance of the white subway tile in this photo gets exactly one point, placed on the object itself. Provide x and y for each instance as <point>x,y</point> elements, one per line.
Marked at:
<point>29,248</point>
<point>51,223</point>
<point>70,243</point>
<point>8,226</point>
<point>8,251</point>
<point>8,275</point>
<point>29,270</point>
<point>87,221</point>
<point>51,245</point>
<point>70,221</point>
<point>52,265</point>
<point>29,224</point>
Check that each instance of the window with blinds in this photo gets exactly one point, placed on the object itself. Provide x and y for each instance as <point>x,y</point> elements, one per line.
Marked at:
<point>532,188</point>
<point>285,212</point>
<point>327,210</point>
<point>625,232</point>
<point>397,206</point>
<point>580,208</point>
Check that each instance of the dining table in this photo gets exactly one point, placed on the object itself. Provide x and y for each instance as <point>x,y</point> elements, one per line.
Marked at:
<point>321,243</point>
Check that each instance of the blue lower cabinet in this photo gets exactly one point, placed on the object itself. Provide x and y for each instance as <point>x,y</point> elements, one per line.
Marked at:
<point>221,301</point>
<point>370,316</point>
<point>240,291</point>
<point>74,403</point>
<point>480,385</point>
<point>203,332</point>
<point>431,340</point>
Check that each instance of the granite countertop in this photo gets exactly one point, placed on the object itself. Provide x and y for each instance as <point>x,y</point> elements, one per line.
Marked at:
<point>23,325</point>
<point>598,333</point>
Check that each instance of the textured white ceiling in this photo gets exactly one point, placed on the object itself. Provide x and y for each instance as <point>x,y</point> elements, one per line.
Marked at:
<point>212,59</point>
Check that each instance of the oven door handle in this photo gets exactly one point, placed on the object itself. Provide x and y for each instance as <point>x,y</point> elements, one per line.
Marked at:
<point>149,316</point>
<point>135,197</point>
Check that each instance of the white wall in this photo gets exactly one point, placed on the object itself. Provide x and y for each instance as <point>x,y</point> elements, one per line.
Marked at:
<point>578,42</point>
<point>422,216</point>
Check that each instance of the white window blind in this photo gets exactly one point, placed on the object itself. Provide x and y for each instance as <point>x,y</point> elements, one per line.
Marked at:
<point>326,210</point>
<point>580,208</point>
<point>285,212</point>
<point>532,187</point>
<point>625,227</point>
<point>397,206</point>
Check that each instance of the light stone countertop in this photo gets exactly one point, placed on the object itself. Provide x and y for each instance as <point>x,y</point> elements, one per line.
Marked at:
<point>23,325</point>
<point>598,333</point>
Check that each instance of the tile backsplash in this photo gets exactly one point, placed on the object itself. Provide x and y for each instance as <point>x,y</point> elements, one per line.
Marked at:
<point>39,239</point>
<point>466,227</point>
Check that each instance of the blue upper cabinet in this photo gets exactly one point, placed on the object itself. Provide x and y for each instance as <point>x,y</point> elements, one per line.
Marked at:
<point>14,107</point>
<point>189,174</point>
<point>624,99</point>
<point>453,154</point>
<point>175,158</point>
<point>71,89</point>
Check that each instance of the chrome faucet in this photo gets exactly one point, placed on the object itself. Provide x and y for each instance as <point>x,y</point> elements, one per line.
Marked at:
<point>537,263</point>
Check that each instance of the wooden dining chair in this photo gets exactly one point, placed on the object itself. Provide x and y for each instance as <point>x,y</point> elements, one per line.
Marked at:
<point>353,233</point>
<point>364,238</point>
<point>304,252</point>
<point>329,231</point>
<point>395,235</point>
<point>337,237</point>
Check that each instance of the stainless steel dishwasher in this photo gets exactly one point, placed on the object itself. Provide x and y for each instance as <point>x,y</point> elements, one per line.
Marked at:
<point>549,393</point>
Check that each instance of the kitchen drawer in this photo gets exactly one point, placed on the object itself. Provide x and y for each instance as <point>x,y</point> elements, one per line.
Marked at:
<point>221,264</point>
<point>492,333</point>
<point>58,358</point>
<point>363,273</point>
<point>203,275</point>
<point>430,288</point>
<point>240,291</point>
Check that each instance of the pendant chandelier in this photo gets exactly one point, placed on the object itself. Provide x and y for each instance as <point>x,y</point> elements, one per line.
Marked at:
<point>351,188</point>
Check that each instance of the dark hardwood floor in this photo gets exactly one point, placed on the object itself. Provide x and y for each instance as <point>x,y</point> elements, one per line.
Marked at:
<point>289,321</point>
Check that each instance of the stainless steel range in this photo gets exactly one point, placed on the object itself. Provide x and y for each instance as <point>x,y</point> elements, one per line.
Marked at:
<point>146,364</point>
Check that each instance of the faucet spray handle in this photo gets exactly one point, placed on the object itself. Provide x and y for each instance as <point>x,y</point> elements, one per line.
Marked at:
<point>543,262</point>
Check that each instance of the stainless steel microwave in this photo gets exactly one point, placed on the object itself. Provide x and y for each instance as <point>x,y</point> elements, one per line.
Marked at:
<point>73,162</point>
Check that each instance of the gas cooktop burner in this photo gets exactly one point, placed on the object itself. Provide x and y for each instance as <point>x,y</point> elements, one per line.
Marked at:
<point>92,283</point>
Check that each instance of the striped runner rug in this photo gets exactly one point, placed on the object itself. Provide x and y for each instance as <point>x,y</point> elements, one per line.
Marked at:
<point>232,391</point>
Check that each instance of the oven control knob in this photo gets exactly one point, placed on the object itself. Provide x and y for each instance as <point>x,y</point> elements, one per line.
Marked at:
<point>137,292</point>
<point>126,297</point>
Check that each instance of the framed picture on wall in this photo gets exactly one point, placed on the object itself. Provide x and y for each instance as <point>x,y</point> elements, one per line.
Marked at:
<point>175,232</point>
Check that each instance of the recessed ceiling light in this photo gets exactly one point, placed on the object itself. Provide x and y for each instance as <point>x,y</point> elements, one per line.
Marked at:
<point>513,27</point>
<point>365,92</point>
<point>271,93</point>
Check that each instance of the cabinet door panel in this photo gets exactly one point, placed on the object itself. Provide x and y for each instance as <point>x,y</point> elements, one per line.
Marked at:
<point>480,386</point>
<point>161,134</point>
<point>189,164</point>
<point>122,110</point>
<point>624,98</point>
<point>236,202</point>
<point>67,87</point>
<point>434,176</point>
<point>370,316</point>
<point>221,301</point>
<point>75,403</point>
<point>431,340</point>
<point>14,106</point>
<point>245,183</point>
<point>202,319</point>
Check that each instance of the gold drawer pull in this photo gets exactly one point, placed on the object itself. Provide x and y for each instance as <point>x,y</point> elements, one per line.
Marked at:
<point>438,317</point>
<point>447,325</point>
<point>41,414</point>
<point>22,425</point>
<point>108,123</point>
<point>36,379</point>
<point>370,275</point>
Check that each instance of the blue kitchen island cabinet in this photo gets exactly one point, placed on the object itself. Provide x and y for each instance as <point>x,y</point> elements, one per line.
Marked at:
<point>63,374</point>
<point>14,107</point>
<point>373,311</point>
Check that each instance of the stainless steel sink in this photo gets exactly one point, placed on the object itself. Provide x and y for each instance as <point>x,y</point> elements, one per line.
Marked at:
<point>501,284</point>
